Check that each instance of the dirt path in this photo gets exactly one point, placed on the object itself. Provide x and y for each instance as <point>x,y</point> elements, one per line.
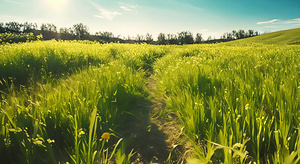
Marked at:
<point>154,139</point>
<point>178,146</point>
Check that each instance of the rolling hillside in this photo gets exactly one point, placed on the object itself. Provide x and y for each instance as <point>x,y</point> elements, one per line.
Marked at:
<point>287,37</point>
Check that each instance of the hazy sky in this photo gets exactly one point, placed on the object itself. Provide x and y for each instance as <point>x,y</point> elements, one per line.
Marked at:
<point>131,17</point>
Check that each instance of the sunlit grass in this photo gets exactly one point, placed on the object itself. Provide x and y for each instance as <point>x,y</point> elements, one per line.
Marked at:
<point>235,98</point>
<point>65,100</point>
<point>74,114</point>
<point>64,119</point>
<point>286,37</point>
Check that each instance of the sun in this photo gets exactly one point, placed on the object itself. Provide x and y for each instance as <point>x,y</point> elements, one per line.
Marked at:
<point>56,4</point>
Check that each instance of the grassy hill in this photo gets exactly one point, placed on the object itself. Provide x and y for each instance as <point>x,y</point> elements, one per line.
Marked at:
<point>287,37</point>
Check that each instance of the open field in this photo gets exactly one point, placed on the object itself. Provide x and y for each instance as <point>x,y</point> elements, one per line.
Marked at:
<point>70,101</point>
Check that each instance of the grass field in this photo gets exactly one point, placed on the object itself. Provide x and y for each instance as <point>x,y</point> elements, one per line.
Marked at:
<point>238,104</point>
<point>286,37</point>
<point>66,101</point>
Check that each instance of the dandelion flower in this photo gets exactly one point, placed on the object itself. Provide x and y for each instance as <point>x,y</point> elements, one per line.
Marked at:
<point>105,135</point>
<point>81,133</point>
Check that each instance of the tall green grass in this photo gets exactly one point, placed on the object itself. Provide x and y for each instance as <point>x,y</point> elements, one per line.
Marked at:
<point>30,62</point>
<point>21,63</point>
<point>62,120</point>
<point>237,104</point>
<point>72,92</point>
<point>70,117</point>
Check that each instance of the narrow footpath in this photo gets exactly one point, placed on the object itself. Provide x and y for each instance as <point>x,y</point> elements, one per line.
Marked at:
<point>155,137</point>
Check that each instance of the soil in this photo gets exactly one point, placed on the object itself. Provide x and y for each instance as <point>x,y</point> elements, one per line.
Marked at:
<point>155,137</point>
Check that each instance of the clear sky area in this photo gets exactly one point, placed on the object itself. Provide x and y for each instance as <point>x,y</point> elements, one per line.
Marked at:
<point>132,17</point>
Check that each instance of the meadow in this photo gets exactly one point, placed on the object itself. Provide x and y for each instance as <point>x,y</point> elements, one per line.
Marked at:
<point>66,101</point>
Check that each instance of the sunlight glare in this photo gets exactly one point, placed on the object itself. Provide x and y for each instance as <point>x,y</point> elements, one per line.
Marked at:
<point>56,4</point>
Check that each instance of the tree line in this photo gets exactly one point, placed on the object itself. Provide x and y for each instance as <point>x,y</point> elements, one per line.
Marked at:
<point>81,32</point>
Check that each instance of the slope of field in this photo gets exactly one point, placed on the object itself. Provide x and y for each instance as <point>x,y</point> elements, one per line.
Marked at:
<point>286,37</point>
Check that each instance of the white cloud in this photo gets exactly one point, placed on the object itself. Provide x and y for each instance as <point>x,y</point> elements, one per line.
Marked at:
<point>292,21</point>
<point>126,6</point>
<point>105,13</point>
<point>14,2</point>
<point>282,22</point>
<point>268,22</point>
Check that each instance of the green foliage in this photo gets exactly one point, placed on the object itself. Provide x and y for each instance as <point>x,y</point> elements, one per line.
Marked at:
<point>241,100</point>
<point>81,31</point>
<point>40,60</point>
<point>74,113</point>
<point>237,104</point>
<point>185,37</point>
<point>67,116</point>
<point>18,37</point>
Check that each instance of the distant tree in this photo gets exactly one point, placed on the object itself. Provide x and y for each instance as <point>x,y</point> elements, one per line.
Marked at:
<point>161,38</point>
<point>44,27</point>
<point>238,34</point>
<point>234,34</point>
<point>224,36</point>
<point>29,27</point>
<point>71,31</point>
<point>198,38</point>
<point>81,31</point>
<point>139,38</point>
<point>149,38</point>
<point>49,31</point>
<point>128,37</point>
<point>13,27</point>
<point>256,33</point>
<point>172,39</point>
<point>227,36</point>
<point>48,27</point>
<point>241,34</point>
<point>250,33</point>
<point>106,36</point>
<point>64,30</point>
<point>52,27</point>
<point>185,37</point>
<point>209,39</point>
<point>66,33</point>
<point>2,28</point>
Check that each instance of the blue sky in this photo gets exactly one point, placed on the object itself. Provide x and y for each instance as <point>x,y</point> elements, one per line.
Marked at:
<point>132,17</point>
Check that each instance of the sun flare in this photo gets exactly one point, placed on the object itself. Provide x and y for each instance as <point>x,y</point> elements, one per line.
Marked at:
<point>56,4</point>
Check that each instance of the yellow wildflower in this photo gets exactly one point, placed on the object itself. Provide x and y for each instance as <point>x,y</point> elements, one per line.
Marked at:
<point>105,135</point>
